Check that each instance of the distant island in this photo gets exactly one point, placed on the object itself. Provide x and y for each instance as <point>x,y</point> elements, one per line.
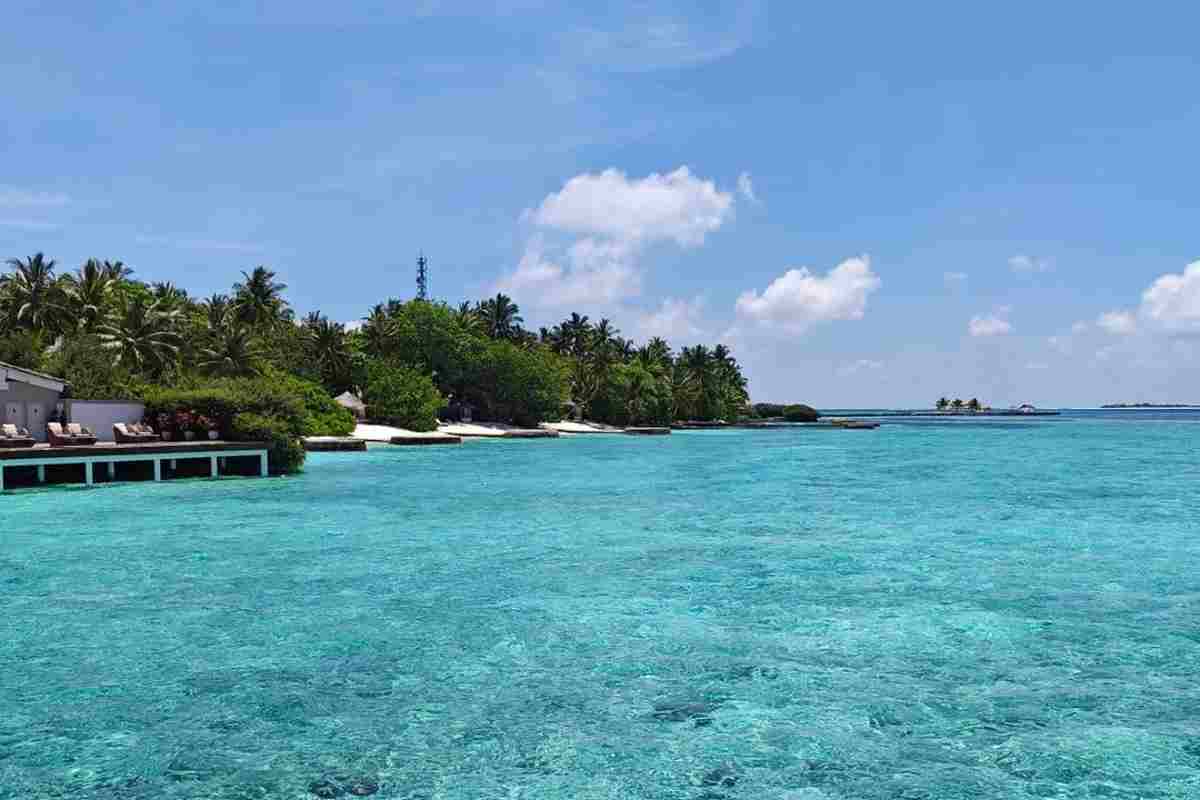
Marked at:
<point>1151,405</point>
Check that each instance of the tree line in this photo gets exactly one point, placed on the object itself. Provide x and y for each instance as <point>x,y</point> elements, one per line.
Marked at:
<point>110,334</point>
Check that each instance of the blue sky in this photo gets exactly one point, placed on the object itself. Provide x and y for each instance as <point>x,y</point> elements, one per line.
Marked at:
<point>872,205</point>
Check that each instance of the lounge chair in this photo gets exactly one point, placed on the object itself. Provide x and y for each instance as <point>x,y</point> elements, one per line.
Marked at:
<point>56,436</point>
<point>132,433</point>
<point>12,436</point>
<point>80,434</point>
<point>74,435</point>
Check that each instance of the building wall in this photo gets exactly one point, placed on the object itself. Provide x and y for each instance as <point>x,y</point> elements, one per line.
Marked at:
<point>101,415</point>
<point>27,406</point>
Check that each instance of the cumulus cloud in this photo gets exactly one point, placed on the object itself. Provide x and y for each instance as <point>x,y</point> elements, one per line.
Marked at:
<point>799,298</point>
<point>988,325</point>
<point>1173,300</point>
<point>674,320</point>
<point>1121,323</point>
<point>746,187</point>
<point>1024,263</point>
<point>676,206</point>
<point>589,276</point>
<point>591,233</point>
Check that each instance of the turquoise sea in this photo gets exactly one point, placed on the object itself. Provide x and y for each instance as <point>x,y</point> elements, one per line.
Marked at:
<point>947,609</point>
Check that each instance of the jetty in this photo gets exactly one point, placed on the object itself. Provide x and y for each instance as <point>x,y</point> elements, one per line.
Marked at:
<point>340,444</point>
<point>109,456</point>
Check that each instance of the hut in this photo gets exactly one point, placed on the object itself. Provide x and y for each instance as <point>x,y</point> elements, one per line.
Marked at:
<point>352,402</point>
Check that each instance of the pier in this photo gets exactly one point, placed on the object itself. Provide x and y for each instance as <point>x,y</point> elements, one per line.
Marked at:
<point>107,456</point>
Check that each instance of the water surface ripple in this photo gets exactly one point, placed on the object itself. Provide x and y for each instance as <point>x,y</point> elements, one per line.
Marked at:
<point>923,611</point>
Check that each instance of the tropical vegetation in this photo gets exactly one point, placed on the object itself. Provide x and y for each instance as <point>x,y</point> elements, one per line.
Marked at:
<point>110,334</point>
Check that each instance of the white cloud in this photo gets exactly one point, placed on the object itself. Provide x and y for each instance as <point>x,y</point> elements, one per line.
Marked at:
<point>746,187</point>
<point>675,206</point>
<point>1173,300</point>
<point>588,278</point>
<point>954,279</point>
<point>1121,323</point>
<point>14,196</point>
<point>989,325</point>
<point>798,298</point>
<point>1024,263</point>
<point>861,365</point>
<point>674,320</point>
<point>592,232</point>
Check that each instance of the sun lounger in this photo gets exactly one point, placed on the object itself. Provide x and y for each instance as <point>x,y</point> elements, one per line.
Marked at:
<point>80,434</point>
<point>60,438</point>
<point>12,436</point>
<point>132,433</point>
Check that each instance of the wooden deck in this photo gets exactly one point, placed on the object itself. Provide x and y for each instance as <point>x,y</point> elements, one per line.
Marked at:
<point>109,455</point>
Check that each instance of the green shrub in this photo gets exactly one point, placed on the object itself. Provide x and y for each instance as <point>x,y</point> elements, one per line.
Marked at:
<point>402,396</point>
<point>800,413</point>
<point>515,384</point>
<point>767,410</point>
<point>269,408</point>
<point>285,454</point>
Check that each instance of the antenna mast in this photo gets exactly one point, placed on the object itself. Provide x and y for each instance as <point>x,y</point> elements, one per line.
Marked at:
<point>422,278</point>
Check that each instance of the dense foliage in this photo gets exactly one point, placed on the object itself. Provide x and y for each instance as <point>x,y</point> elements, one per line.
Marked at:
<point>401,396</point>
<point>800,413</point>
<point>246,355</point>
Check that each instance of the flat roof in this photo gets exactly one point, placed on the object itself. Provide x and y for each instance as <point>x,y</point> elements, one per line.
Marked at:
<point>33,377</point>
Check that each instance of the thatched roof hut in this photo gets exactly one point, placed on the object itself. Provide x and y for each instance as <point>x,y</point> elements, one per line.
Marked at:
<point>353,402</point>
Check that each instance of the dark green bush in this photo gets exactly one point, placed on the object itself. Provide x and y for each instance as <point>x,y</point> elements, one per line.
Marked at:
<point>275,408</point>
<point>768,410</point>
<point>285,454</point>
<point>402,396</point>
<point>800,413</point>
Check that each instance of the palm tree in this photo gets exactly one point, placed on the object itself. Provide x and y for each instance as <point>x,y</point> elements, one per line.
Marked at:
<point>258,300</point>
<point>328,352</point>
<point>89,293</point>
<point>957,404</point>
<point>378,331</point>
<point>501,317</point>
<point>141,334</point>
<point>34,295</point>
<point>575,335</point>
<point>470,318</point>
<point>169,296</point>
<point>116,270</point>
<point>234,351</point>
<point>973,404</point>
<point>942,403</point>
<point>218,312</point>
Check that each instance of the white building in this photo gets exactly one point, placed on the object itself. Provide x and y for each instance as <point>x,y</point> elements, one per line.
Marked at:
<point>28,398</point>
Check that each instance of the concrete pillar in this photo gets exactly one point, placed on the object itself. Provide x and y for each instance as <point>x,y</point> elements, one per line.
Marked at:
<point>87,473</point>
<point>41,473</point>
<point>172,465</point>
<point>158,469</point>
<point>212,464</point>
<point>262,465</point>
<point>112,470</point>
<point>1,477</point>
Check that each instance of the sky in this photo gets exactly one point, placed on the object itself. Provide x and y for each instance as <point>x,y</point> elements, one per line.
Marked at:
<point>872,205</point>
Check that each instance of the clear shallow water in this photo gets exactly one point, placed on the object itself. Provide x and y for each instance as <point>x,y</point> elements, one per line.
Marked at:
<point>931,610</point>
